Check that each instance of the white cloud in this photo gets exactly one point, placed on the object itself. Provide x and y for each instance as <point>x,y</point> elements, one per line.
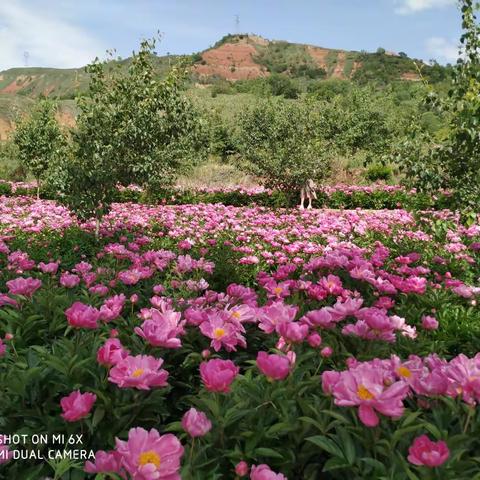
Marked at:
<point>405,7</point>
<point>442,49</point>
<point>50,40</point>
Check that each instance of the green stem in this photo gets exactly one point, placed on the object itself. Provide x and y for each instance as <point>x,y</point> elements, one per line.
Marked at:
<point>190,463</point>
<point>469,417</point>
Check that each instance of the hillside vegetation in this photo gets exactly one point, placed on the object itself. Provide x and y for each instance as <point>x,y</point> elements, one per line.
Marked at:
<point>235,64</point>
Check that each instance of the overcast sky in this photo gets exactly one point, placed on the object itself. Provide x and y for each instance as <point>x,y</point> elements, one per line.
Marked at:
<point>70,33</point>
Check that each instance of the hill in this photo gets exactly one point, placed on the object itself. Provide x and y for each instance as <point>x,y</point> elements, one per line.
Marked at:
<point>242,57</point>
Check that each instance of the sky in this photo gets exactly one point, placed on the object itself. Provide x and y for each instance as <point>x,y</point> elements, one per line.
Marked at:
<point>71,33</point>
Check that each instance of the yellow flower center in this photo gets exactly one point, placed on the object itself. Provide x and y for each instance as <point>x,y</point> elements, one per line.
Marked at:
<point>364,393</point>
<point>404,372</point>
<point>236,314</point>
<point>149,457</point>
<point>218,332</point>
<point>138,372</point>
<point>277,290</point>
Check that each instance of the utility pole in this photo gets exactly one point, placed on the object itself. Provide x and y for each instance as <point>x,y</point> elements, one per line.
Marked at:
<point>237,24</point>
<point>26,56</point>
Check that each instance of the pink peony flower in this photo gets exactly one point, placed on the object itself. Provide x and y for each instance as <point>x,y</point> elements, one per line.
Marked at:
<point>105,462</point>
<point>275,367</point>
<point>51,267</point>
<point>162,328</point>
<point>464,378</point>
<point>314,340</point>
<point>429,322</point>
<point>320,318</point>
<point>326,352</point>
<point>130,277</point>
<point>98,289</point>
<point>223,332</point>
<point>5,454</point>
<point>196,423</point>
<point>77,405</point>
<point>365,387</point>
<point>425,452</point>
<point>141,372</point>
<point>241,468</point>
<point>23,286</point>
<point>112,308</point>
<point>80,315</point>
<point>111,352</point>
<point>276,314</point>
<point>292,332</point>
<point>217,375</point>
<point>263,472</point>
<point>134,298</point>
<point>69,280</point>
<point>6,300</point>
<point>147,455</point>
<point>329,379</point>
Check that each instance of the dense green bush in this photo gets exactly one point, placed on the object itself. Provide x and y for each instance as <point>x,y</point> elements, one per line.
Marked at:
<point>378,171</point>
<point>132,127</point>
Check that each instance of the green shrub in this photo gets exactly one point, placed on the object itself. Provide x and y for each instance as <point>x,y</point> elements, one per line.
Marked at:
<point>378,171</point>
<point>5,188</point>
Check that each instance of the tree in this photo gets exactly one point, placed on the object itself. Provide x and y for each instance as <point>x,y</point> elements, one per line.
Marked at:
<point>454,163</point>
<point>282,85</point>
<point>362,122</point>
<point>40,141</point>
<point>280,142</point>
<point>133,127</point>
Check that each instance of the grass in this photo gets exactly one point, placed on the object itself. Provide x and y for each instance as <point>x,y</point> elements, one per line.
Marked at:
<point>215,174</point>
<point>225,105</point>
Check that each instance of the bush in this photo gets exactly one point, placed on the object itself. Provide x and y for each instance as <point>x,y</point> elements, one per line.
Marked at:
<point>5,188</point>
<point>378,171</point>
<point>132,128</point>
<point>280,143</point>
<point>280,85</point>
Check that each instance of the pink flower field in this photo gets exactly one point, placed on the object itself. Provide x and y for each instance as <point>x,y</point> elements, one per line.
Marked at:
<point>218,342</point>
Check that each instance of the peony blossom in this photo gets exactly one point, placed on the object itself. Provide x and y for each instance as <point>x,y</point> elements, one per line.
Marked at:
<point>276,314</point>
<point>196,423</point>
<point>80,315</point>
<point>105,462</point>
<point>51,267</point>
<point>223,331</point>
<point>141,372</point>
<point>274,367</point>
<point>241,468</point>
<point>425,452</point>
<point>326,352</point>
<point>147,455</point>
<point>365,387</point>
<point>162,328</point>
<point>69,280</point>
<point>23,286</point>
<point>263,472</point>
<point>5,453</point>
<point>217,375</point>
<point>77,405</point>
<point>111,352</point>
<point>429,322</point>
<point>112,308</point>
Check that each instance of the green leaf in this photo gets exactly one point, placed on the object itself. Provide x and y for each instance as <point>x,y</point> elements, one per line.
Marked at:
<point>267,452</point>
<point>326,444</point>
